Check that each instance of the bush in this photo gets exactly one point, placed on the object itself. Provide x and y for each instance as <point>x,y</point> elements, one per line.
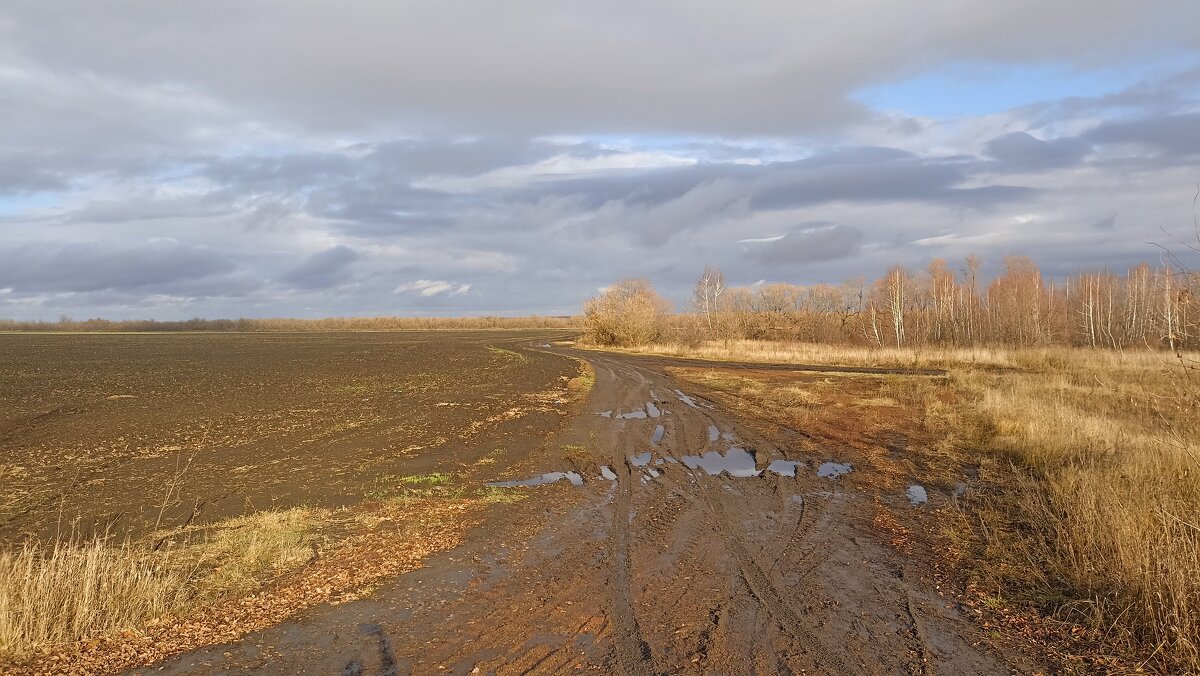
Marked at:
<point>628,314</point>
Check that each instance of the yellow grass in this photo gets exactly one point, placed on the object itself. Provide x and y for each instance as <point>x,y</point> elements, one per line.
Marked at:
<point>1097,452</point>
<point>1056,358</point>
<point>77,589</point>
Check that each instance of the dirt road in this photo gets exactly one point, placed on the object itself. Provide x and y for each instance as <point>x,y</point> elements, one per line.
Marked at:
<point>689,547</point>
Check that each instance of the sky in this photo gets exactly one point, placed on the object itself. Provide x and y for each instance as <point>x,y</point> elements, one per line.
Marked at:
<point>263,158</point>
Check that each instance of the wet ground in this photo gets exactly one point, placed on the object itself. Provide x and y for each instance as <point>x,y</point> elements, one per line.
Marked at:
<point>660,535</point>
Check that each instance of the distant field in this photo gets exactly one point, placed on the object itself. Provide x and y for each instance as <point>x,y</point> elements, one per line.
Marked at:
<point>119,433</point>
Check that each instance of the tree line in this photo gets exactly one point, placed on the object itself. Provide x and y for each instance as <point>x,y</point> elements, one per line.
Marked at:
<point>938,306</point>
<point>266,325</point>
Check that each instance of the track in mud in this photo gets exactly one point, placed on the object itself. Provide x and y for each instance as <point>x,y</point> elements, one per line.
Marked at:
<point>664,569</point>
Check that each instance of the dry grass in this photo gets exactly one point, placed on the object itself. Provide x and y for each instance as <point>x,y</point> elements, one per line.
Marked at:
<point>79,589</point>
<point>1042,358</point>
<point>1095,456</point>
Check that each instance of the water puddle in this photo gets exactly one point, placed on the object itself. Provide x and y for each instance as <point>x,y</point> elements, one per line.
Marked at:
<point>798,499</point>
<point>833,470</point>
<point>728,436</point>
<point>641,459</point>
<point>713,433</point>
<point>686,399</point>
<point>652,409</point>
<point>605,414</point>
<point>632,414</point>
<point>785,467</point>
<point>657,437</point>
<point>917,494</point>
<point>547,478</point>
<point>737,462</point>
<point>607,473</point>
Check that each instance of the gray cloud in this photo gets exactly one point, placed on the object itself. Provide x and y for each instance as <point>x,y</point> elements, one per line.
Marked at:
<point>807,245</point>
<point>322,269</point>
<point>80,267</point>
<point>1173,135</point>
<point>1021,151</point>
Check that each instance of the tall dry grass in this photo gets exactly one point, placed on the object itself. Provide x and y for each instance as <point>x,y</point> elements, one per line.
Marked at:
<point>74,589</point>
<point>1099,517</point>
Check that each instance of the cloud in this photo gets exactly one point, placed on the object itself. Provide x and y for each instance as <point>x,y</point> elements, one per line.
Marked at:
<point>1174,135</point>
<point>94,267</point>
<point>1019,150</point>
<point>322,269</point>
<point>428,288</point>
<point>806,246</point>
<point>260,145</point>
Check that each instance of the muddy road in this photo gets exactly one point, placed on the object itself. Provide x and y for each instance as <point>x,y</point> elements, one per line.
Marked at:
<point>675,540</point>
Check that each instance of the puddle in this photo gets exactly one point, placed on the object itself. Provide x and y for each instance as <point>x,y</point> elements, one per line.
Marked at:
<point>605,414</point>
<point>632,414</point>
<point>917,495</point>
<point>671,460</point>
<point>652,409</point>
<point>686,399</point>
<point>547,478</point>
<point>607,473</point>
<point>786,467</point>
<point>640,460</point>
<point>798,499</point>
<point>728,436</point>
<point>657,437</point>
<point>653,472</point>
<point>713,433</point>
<point>737,462</point>
<point>833,470</point>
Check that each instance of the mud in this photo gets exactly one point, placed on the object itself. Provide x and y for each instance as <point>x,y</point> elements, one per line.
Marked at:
<point>662,569</point>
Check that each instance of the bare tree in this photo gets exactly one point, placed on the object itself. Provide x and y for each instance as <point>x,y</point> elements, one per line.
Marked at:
<point>708,291</point>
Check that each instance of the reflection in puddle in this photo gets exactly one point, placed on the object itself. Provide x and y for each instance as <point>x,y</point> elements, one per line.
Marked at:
<point>833,470</point>
<point>685,399</point>
<point>917,495</point>
<point>657,437</point>
<point>640,460</point>
<point>713,433</point>
<point>607,473</point>
<point>786,467</point>
<point>737,462</point>
<point>652,409</point>
<point>547,478</point>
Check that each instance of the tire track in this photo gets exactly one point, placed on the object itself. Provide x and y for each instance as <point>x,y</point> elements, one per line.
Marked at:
<point>761,587</point>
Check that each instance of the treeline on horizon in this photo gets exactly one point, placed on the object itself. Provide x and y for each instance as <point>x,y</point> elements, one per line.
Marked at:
<point>1143,306</point>
<point>268,325</point>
